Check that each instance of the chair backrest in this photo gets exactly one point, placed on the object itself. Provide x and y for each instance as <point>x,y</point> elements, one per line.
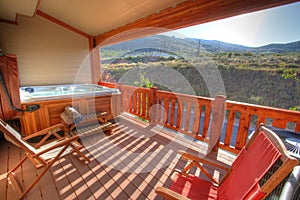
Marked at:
<point>15,138</point>
<point>245,178</point>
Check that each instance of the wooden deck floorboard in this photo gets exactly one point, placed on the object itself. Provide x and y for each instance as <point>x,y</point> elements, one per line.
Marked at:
<point>128,164</point>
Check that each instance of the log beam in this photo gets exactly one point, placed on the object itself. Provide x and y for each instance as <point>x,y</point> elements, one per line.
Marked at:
<point>188,13</point>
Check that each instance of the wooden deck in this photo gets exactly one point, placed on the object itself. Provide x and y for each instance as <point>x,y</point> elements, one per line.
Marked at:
<point>128,164</point>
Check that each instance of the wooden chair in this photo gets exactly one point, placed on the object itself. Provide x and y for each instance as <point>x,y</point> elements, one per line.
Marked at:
<point>43,155</point>
<point>86,119</point>
<point>101,118</point>
<point>260,166</point>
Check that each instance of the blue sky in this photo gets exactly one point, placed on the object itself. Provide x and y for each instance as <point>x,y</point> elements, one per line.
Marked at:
<point>276,25</point>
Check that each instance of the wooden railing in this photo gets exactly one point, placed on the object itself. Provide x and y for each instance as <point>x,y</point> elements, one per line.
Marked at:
<point>242,118</point>
<point>136,100</point>
<point>192,115</point>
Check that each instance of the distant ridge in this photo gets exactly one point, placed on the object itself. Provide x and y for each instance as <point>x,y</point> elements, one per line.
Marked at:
<point>281,48</point>
<point>173,44</point>
<point>219,45</point>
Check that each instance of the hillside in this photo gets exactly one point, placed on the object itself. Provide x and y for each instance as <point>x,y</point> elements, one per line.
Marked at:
<point>174,44</point>
<point>267,75</point>
<point>280,48</point>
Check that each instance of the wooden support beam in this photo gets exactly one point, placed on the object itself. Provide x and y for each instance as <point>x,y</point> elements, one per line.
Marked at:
<point>185,14</point>
<point>95,61</point>
<point>61,23</point>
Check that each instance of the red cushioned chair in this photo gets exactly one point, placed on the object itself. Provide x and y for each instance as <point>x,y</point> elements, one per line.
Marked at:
<point>260,166</point>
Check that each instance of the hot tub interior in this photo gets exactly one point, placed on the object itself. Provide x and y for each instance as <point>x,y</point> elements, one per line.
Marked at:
<point>56,91</point>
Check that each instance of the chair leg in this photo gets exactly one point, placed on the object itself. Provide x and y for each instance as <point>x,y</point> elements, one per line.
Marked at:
<point>18,164</point>
<point>87,160</point>
<point>12,179</point>
<point>36,180</point>
<point>43,172</point>
<point>15,185</point>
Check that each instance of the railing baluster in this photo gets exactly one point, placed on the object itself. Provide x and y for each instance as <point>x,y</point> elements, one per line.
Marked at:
<point>179,113</point>
<point>127,98</point>
<point>244,125</point>
<point>187,116</point>
<point>135,101</point>
<point>279,123</point>
<point>197,117</point>
<point>297,127</point>
<point>173,102</point>
<point>229,127</point>
<point>144,103</point>
<point>147,103</point>
<point>261,120</point>
<point>166,110</point>
<point>206,121</point>
<point>159,110</point>
<point>130,102</point>
<point>138,102</point>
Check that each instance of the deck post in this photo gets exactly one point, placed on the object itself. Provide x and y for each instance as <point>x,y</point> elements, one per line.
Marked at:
<point>95,61</point>
<point>218,114</point>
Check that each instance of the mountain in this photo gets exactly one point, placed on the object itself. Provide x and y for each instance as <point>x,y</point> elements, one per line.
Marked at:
<point>174,44</point>
<point>215,45</point>
<point>280,48</point>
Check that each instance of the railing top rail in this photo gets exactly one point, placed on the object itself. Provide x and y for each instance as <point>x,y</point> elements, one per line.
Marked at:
<point>262,110</point>
<point>130,87</point>
<point>229,103</point>
<point>182,96</point>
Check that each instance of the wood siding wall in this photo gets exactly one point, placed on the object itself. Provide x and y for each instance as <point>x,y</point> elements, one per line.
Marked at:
<point>47,53</point>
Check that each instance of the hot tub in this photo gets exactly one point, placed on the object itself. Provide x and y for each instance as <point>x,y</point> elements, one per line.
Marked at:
<point>40,93</point>
<point>52,100</point>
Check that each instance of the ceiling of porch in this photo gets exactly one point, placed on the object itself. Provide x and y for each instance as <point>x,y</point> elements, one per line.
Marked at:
<point>90,16</point>
<point>95,17</point>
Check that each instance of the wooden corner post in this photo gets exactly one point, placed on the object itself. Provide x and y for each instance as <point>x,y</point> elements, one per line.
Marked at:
<point>218,115</point>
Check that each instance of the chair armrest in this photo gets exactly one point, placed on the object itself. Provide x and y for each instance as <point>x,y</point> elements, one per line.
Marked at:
<point>188,156</point>
<point>64,142</point>
<point>169,194</point>
<point>44,131</point>
<point>47,132</point>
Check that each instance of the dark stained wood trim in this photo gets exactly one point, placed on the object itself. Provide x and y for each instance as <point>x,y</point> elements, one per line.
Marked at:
<point>95,60</point>
<point>61,23</point>
<point>91,43</point>
<point>36,8</point>
<point>188,13</point>
<point>9,21</point>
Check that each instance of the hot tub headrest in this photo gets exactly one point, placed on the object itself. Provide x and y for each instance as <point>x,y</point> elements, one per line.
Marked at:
<point>71,115</point>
